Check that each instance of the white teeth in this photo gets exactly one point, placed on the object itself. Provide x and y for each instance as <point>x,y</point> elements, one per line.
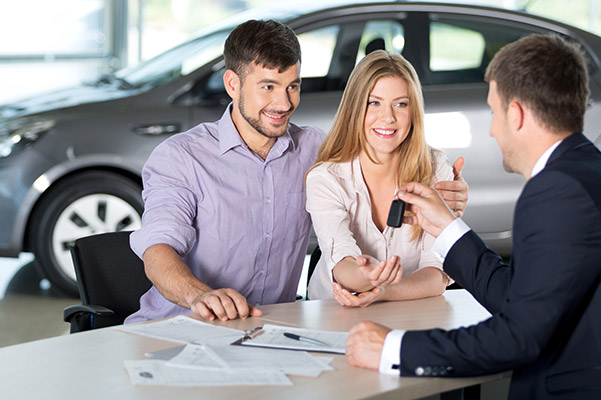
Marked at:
<point>385,131</point>
<point>273,116</point>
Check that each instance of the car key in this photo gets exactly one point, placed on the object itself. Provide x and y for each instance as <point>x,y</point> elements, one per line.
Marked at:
<point>395,215</point>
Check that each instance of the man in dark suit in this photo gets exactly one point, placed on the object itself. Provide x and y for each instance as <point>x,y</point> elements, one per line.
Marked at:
<point>546,304</point>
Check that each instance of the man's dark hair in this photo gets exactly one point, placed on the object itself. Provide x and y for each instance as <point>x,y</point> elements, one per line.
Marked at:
<point>548,74</point>
<point>269,44</point>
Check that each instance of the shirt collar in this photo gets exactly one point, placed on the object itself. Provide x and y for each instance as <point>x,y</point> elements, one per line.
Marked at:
<point>542,161</point>
<point>229,137</point>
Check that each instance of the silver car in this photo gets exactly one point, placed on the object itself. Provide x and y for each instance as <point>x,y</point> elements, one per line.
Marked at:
<point>70,161</point>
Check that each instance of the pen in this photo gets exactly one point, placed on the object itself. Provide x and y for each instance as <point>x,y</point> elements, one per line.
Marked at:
<point>304,339</point>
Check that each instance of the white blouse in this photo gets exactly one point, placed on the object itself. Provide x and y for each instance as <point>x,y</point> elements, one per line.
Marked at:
<point>340,208</point>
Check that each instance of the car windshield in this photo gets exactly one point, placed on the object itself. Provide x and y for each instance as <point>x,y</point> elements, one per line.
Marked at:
<point>189,56</point>
<point>180,60</point>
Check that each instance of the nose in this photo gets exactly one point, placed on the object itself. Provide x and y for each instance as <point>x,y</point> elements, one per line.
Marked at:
<point>387,115</point>
<point>281,100</point>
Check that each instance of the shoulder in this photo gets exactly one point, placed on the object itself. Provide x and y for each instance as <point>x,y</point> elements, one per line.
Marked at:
<point>306,135</point>
<point>191,143</point>
<point>441,167</point>
<point>559,196</point>
<point>334,171</point>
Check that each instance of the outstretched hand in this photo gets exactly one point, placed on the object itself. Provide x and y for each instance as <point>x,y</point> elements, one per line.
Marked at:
<point>455,192</point>
<point>382,274</point>
<point>431,212</point>
<point>345,298</point>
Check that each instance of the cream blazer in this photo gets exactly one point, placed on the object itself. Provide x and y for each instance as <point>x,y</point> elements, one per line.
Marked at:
<point>340,208</point>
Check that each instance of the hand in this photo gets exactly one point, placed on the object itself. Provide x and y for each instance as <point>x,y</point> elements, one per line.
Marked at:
<point>363,299</point>
<point>455,192</point>
<point>364,345</point>
<point>224,304</point>
<point>383,274</point>
<point>431,212</point>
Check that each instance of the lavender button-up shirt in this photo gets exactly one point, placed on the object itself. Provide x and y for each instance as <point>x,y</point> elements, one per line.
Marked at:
<point>237,220</point>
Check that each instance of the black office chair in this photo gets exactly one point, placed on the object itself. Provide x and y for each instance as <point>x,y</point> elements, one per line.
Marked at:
<point>110,278</point>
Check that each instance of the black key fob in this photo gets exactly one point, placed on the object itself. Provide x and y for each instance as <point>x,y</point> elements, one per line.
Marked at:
<point>395,216</point>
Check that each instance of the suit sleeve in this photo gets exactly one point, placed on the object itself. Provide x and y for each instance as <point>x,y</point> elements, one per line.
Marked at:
<point>555,266</point>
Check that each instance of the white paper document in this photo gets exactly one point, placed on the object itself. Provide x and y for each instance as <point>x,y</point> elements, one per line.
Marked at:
<point>184,329</point>
<point>273,336</point>
<point>298,363</point>
<point>156,372</point>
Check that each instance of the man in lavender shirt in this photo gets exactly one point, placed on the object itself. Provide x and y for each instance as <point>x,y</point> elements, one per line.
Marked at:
<point>224,226</point>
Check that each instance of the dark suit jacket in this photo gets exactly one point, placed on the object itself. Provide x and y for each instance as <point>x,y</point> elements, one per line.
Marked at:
<point>546,304</point>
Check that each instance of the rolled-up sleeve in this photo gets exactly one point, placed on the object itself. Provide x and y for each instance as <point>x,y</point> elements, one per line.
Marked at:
<point>330,217</point>
<point>169,202</point>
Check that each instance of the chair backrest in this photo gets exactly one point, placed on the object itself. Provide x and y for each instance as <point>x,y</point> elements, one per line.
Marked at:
<point>109,274</point>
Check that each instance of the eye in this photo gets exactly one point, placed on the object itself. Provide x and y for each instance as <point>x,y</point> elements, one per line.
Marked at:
<point>373,103</point>
<point>294,87</point>
<point>267,87</point>
<point>402,104</point>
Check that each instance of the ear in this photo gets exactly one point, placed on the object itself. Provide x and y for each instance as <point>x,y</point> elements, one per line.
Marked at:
<point>515,116</point>
<point>231,81</point>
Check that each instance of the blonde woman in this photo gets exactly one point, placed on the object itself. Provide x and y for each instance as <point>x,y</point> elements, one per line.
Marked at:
<point>376,145</point>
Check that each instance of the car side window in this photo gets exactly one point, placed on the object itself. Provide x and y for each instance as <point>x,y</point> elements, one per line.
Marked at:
<point>454,48</point>
<point>462,47</point>
<point>381,35</point>
<point>317,48</point>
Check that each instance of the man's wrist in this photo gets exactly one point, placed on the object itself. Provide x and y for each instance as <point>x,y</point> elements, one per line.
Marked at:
<point>390,358</point>
<point>448,237</point>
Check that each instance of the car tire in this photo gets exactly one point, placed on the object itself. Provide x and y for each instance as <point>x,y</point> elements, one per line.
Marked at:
<point>80,205</point>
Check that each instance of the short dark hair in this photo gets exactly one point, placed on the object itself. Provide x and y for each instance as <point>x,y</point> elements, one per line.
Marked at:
<point>547,73</point>
<point>269,44</point>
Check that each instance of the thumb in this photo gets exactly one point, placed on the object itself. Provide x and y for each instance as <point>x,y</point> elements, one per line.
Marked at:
<point>458,167</point>
<point>254,311</point>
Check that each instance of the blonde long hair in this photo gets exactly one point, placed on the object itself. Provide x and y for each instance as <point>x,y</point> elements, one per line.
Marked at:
<point>346,138</point>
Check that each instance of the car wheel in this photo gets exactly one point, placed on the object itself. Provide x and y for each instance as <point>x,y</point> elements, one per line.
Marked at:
<point>81,205</point>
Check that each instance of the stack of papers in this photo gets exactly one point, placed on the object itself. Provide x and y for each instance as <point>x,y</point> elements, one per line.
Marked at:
<point>209,359</point>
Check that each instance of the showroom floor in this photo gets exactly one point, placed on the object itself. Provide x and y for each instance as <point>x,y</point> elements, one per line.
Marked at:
<point>29,308</point>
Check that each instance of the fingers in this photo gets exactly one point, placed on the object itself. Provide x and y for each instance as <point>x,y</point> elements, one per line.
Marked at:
<point>385,272</point>
<point>364,345</point>
<point>457,167</point>
<point>223,304</point>
<point>254,311</point>
<point>416,190</point>
<point>347,299</point>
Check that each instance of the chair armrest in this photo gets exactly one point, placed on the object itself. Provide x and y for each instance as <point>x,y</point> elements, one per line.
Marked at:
<point>70,311</point>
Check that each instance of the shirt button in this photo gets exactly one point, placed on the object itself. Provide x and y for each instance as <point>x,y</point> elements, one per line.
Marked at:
<point>262,272</point>
<point>267,235</point>
<point>419,371</point>
<point>268,200</point>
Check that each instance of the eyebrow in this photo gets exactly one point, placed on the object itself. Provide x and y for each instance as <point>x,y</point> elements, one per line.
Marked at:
<point>396,98</point>
<point>277,82</point>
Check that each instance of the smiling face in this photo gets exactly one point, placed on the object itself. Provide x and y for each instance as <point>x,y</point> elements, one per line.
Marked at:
<point>387,118</point>
<point>265,100</point>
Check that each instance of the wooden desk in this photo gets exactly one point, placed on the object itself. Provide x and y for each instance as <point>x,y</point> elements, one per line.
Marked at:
<point>89,365</point>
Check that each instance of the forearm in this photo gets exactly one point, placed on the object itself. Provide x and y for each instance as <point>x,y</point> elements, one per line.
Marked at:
<point>426,282</point>
<point>171,275</point>
<point>347,274</point>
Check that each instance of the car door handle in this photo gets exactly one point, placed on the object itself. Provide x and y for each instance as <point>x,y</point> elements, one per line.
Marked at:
<point>157,129</point>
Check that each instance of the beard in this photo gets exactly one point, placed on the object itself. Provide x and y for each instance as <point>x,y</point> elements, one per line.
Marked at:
<point>259,126</point>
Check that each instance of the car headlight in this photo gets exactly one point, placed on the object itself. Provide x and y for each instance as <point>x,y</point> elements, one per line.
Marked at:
<point>21,134</point>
